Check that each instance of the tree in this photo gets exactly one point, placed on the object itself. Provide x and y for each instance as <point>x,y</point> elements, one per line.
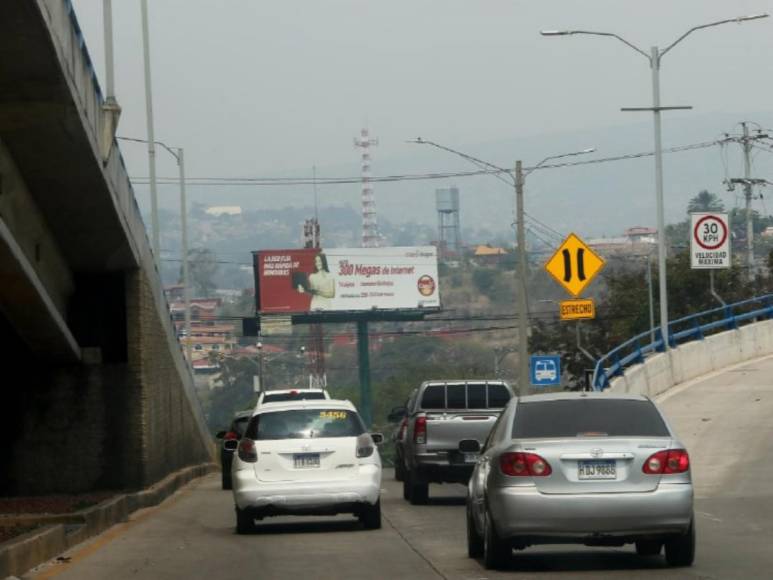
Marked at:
<point>705,201</point>
<point>202,265</point>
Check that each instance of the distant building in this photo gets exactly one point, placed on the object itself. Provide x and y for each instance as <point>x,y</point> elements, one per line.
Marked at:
<point>488,255</point>
<point>635,240</point>
<point>218,210</point>
<point>767,232</point>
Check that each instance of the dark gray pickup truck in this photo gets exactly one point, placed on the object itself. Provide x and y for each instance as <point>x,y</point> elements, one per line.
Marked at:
<point>441,422</point>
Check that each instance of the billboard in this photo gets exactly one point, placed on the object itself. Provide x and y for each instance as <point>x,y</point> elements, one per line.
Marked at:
<point>346,279</point>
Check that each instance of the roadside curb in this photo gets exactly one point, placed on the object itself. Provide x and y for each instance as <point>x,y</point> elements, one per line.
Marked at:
<point>33,548</point>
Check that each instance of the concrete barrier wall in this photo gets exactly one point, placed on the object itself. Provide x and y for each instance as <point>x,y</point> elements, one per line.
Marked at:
<point>694,359</point>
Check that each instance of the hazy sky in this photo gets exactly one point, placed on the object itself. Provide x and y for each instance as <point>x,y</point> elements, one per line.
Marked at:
<point>256,87</point>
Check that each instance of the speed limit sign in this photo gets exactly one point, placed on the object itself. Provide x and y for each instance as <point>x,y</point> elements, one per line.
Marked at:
<point>709,241</point>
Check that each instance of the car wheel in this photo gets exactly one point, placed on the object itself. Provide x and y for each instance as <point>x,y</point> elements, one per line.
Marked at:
<point>680,551</point>
<point>474,540</point>
<point>406,489</point>
<point>370,516</point>
<point>399,469</point>
<point>496,551</point>
<point>244,522</point>
<point>419,493</point>
<point>648,547</point>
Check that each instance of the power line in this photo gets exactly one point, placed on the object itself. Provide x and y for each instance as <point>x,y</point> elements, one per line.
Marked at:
<point>290,181</point>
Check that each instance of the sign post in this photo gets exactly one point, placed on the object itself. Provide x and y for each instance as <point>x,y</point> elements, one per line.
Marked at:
<point>709,241</point>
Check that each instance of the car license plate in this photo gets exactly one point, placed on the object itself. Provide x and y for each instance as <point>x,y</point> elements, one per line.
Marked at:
<point>598,469</point>
<point>306,460</point>
<point>471,457</point>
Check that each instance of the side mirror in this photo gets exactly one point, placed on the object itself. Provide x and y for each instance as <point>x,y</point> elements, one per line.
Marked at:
<point>220,434</point>
<point>378,438</point>
<point>396,414</point>
<point>469,446</point>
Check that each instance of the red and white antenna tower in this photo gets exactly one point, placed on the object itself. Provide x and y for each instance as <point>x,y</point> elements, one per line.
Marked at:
<point>370,236</point>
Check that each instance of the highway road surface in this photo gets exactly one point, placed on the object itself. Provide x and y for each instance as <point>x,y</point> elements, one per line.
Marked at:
<point>725,420</point>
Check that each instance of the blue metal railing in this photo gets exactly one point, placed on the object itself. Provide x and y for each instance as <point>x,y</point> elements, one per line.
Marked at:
<point>693,327</point>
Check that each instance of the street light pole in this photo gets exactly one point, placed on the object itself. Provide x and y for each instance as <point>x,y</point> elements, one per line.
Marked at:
<point>179,156</point>
<point>655,56</point>
<point>156,237</point>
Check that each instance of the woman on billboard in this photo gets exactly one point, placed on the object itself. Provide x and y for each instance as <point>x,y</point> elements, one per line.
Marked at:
<point>321,284</point>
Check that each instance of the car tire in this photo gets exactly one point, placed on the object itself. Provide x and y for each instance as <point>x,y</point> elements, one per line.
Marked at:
<point>370,516</point>
<point>649,547</point>
<point>474,539</point>
<point>406,489</point>
<point>244,522</point>
<point>399,469</point>
<point>496,551</point>
<point>680,551</point>
<point>419,492</point>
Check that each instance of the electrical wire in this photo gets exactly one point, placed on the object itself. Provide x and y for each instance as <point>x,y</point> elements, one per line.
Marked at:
<point>290,181</point>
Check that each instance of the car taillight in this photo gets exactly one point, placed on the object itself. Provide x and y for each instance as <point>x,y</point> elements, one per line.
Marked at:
<point>518,464</point>
<point>365,447</point>
<point>246,451</point>
<point>403,425</point>
<point>667,461</point>
<point>230,436</point>
<point>420,430</point>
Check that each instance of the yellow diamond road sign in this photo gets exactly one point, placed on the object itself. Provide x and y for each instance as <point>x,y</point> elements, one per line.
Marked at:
<point>574,265</point>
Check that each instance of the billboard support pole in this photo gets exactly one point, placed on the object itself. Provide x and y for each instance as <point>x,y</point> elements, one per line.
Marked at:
<point>363,355</point>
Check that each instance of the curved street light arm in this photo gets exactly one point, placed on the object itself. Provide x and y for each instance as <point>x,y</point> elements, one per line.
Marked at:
<point>171,150</point>
<point>737,20</point>
<point>595,33</point>
<point>538,165</point>
<point>420,141</point>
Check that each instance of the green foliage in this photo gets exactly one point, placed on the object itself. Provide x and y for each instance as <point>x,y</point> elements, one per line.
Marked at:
<point>202,266</point>
<point>704,202</point>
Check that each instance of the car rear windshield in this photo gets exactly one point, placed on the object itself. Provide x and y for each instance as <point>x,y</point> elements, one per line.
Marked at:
<point>294,396</point>
<point>305,424</point>
<point>588,418</point>
<point>465,396</point>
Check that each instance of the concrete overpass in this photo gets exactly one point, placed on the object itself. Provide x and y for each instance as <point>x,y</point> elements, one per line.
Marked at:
<point>96,392</point>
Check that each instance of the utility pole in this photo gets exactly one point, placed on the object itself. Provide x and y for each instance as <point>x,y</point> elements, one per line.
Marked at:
<point>747,174</point>
<point>747,142</point>
<point>523,303</point>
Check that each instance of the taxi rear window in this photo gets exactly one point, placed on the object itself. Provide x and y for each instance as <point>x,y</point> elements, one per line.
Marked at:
<point>294,396</point>
<point>305,424</point>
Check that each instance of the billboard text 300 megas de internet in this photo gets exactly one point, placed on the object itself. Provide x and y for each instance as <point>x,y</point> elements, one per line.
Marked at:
<point>344,279</point>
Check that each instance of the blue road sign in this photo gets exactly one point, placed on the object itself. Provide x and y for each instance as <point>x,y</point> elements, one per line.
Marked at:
<point>545,370</point>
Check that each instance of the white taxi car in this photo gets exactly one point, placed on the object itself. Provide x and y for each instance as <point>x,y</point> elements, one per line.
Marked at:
<point>308,457</point>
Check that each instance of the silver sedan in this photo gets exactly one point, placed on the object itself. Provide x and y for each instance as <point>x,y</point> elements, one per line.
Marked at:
<point>588,468</point>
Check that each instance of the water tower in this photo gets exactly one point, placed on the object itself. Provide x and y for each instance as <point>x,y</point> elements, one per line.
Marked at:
<point>447,203</point>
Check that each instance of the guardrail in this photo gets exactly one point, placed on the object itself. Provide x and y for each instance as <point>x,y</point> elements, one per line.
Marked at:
<point>693,327</point>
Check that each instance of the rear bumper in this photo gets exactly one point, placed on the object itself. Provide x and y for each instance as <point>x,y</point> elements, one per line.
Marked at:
<point>306,497</point>
<point>442,467</point>
<point>525,512</point>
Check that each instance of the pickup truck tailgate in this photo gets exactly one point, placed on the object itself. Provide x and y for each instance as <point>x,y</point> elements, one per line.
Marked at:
<point>446,430</point>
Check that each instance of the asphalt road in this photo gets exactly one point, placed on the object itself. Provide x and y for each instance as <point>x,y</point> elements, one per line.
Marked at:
<point>723,419</point>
